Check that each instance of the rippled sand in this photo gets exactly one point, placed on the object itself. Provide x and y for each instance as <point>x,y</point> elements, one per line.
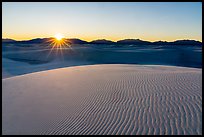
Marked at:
<point>104,99</point>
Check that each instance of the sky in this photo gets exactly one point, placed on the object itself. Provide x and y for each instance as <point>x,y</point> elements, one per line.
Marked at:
<point>152,21</point>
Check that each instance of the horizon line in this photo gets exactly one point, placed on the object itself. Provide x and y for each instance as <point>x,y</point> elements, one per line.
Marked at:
<point>103,39</point>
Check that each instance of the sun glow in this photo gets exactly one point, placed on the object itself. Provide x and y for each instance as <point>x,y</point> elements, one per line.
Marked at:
<point>59,36</point>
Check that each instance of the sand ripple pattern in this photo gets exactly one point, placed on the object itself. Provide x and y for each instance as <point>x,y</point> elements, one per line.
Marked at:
<point>104,100</point>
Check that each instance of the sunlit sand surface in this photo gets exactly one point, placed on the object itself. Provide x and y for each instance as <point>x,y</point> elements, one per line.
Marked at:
<point>104,99</point>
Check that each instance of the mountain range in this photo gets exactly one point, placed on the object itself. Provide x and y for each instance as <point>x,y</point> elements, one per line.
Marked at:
<point>106,42</point>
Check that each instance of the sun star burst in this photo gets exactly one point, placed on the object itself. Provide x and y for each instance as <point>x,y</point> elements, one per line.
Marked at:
<point>59,42</point>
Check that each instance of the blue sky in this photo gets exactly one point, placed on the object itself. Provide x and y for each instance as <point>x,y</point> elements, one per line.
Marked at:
<point>111,20</point>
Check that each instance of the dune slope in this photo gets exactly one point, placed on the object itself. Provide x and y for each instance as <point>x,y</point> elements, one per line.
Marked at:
<point>104,99</point>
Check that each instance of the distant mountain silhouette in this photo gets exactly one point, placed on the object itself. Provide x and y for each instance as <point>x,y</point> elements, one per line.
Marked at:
<point>160,43</point>
<point>187,42</point>
<point>76,41</point>
<point>178,42</point>
<point>8,40</point>
<point>133,41</point>
<point>107,42</point>
<point>32,41</point>
<point>37,40</point>
<point>101,41</point>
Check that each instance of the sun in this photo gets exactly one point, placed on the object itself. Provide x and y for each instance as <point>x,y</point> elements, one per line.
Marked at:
<point>59,36</point>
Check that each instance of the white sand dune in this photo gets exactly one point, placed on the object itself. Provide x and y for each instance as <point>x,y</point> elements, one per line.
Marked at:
<point>104,99</point>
